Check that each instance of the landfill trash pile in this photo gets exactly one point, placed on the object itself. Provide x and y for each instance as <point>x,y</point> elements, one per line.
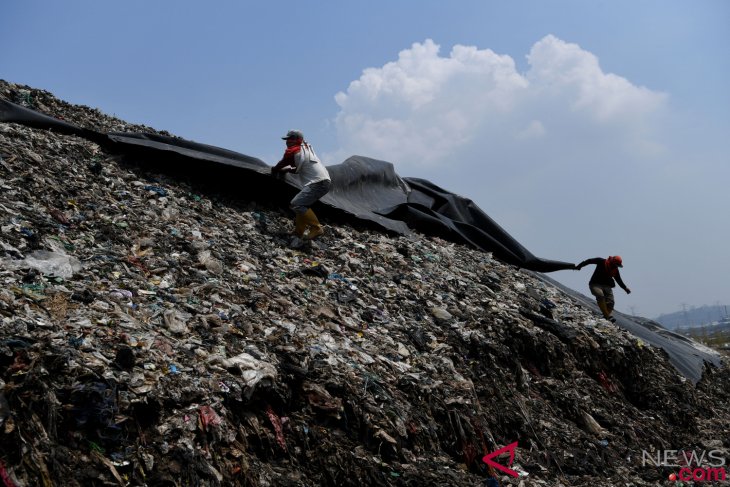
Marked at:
<point>155,332</point>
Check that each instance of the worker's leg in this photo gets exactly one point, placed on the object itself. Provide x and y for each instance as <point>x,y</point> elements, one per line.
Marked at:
<point>610,302</point>
<point>300,224</point>
<point>315,229</point>
<point>599,293</point>
<point>302,202</point>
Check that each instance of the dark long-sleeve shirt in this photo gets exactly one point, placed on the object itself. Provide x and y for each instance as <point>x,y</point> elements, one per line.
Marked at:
<point>601,275</point>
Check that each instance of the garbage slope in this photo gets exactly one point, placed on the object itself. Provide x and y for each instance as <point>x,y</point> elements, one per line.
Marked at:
<point>363,188</point>
<point>155,332</point>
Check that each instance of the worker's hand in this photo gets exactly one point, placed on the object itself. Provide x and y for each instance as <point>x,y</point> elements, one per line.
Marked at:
<point>576,267</point>
<point>628,291</point>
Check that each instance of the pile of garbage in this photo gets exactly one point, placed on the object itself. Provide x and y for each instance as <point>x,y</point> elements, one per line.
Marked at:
<point>155,332</point>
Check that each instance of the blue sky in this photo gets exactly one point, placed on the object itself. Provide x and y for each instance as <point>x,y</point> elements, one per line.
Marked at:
<point>584,128</point>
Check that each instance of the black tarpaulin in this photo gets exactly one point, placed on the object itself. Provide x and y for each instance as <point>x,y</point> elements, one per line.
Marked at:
<point>10,112</point>
<point>432,209</point>
<point>365,188</point>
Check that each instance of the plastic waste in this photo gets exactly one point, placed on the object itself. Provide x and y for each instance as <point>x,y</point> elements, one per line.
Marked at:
<point>47,262</point>
<point>252,370</point>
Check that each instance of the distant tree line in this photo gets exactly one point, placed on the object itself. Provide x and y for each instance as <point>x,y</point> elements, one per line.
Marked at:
<point>694,316</point>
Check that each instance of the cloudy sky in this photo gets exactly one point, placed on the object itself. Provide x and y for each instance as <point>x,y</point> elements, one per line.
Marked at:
<point>584,128</point>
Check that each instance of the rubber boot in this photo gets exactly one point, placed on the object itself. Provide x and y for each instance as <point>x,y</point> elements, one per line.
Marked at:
<point>609,307</point>
<point>315,229</point>
<point>300,225</point>
<point>605,311</point>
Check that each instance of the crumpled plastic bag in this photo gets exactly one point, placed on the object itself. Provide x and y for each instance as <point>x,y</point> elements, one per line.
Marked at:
<point>252,370</point>
<point>47,262</point>
<point>209,418</point>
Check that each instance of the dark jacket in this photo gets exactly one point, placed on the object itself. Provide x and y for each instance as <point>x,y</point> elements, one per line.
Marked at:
<point>603,275</point>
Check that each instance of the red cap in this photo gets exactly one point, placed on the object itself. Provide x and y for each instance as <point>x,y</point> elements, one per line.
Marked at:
<point>616,260</point>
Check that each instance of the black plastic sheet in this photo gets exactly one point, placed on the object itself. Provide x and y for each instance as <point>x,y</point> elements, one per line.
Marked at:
<point>365,188</point>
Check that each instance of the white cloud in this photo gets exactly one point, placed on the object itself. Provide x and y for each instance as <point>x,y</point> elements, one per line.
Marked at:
<point>565,70</point>
<point>423,107</point>
<point>625,117</point>
<point>427,110</point>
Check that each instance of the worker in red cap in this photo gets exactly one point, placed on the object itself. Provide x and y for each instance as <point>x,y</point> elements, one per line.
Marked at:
<point>300,159</point>
<point>603,281</point>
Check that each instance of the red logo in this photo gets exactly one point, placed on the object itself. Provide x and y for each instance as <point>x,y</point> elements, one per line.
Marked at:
<point>509,448</point>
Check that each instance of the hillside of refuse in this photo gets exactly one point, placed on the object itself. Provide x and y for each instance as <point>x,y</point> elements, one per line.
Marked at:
<point>158,332</point>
